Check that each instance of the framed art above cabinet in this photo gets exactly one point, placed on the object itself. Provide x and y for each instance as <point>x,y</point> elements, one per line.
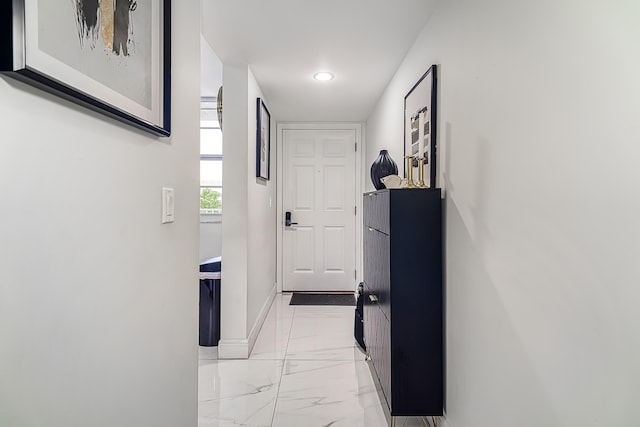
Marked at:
<point>420,124</point>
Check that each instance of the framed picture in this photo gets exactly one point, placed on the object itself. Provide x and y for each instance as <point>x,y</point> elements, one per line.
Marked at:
<point>420,128</point>
<point>263,136</point>
<point>113,56</point>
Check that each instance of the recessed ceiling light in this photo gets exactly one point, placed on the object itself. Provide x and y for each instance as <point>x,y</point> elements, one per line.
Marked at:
<point>323,76</point>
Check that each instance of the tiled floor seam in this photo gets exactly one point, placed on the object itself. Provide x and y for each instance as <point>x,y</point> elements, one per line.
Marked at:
<point>284,358</point>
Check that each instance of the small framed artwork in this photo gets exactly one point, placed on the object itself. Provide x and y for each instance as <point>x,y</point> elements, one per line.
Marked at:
<point>420,130</point>
<point>113,56</point>
<point>263,137</point>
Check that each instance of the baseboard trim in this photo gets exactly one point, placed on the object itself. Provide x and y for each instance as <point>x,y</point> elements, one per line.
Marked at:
<point>241,348</point>
<point>262,316</point>
<point>233,349</point>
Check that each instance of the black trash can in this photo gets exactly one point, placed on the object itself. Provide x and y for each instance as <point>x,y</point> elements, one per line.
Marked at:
<point>210,301</point>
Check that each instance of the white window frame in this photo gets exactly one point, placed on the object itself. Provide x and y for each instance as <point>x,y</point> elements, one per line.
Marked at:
<point>208,213</point>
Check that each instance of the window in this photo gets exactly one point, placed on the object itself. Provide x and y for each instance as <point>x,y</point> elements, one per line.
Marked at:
<point>210,158</point>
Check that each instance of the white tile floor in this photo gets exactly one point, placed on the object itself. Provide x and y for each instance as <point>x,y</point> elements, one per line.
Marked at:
<point>305,371</point>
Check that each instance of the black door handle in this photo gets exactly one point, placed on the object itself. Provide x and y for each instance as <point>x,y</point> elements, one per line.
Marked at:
<point>287,220</point>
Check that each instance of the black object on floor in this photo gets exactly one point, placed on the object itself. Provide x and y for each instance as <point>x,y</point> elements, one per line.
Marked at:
<point>210,282</point>
<point>322,299</point>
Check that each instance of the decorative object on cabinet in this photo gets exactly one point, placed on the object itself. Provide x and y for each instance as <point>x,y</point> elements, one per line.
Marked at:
<point>263,137</point>
<point>403,298</point>
<point>382,166</point>
<point>219,107</point>
<point>391,181</point>
<point>421,183</point>
<point>420,124</point>
<point>409,180</point>
<point>116,62</point>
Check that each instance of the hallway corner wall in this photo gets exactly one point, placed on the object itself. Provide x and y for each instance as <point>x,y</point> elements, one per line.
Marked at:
<point>538,154</point>
<point>248,218</point>
<point>233,291</point>
<point>262,218</point>
<point>98,299</point>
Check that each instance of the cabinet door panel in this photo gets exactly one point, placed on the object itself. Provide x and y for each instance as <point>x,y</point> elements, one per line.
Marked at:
<point>382,212</point>
<point>380,270</point>
<point>377,337</point>
<point>368,209</point>
<point>376,211</point>
<point>370,261</point>
<point>383,361</point>
<point>377,268</point>
<point>369,316</point>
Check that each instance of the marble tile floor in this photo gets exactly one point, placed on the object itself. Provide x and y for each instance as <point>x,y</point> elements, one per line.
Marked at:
<point>305,371</point>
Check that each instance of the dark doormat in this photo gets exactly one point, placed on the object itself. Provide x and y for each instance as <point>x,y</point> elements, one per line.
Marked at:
<point>322,299</point>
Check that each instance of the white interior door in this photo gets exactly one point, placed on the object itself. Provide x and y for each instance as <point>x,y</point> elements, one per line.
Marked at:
<point>319,181</point>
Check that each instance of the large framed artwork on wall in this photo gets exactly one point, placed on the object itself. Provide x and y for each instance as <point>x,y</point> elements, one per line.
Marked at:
<point>113,56</point>
<point>420,124</point>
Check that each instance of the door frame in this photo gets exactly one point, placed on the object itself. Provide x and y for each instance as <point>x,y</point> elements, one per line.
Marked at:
<point>357,197</point>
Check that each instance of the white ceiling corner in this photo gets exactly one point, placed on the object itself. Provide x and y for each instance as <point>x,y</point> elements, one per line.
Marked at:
<point>210,70</point>
<point>362,42</point>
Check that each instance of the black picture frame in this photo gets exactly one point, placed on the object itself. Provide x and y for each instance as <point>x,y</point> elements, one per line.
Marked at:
<point>420,124</point>
<point>263,141</point>
<point>130,83</point>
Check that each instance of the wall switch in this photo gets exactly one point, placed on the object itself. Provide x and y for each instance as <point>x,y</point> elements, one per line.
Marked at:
<point>167,205</point>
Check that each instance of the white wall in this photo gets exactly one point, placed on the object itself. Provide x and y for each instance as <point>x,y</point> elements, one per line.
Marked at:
<point>262,218</point>
<point>211,66</point>
<point>233,298</point>
<point>210,236</point>
<point>98,300</point>
<point>248,219</point>
<point>538,117</point>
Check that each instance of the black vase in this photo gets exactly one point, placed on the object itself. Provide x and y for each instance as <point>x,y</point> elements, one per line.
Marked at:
<point>381,167</point>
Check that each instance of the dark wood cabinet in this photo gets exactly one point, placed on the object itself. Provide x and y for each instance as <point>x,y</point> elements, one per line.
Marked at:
<point>403,297</point>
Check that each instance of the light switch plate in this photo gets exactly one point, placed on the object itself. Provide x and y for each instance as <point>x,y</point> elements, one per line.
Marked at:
<point>167,205</point>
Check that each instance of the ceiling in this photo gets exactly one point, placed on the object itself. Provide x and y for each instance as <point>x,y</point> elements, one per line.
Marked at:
<point>211,70</point>
<point>362,42</point>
